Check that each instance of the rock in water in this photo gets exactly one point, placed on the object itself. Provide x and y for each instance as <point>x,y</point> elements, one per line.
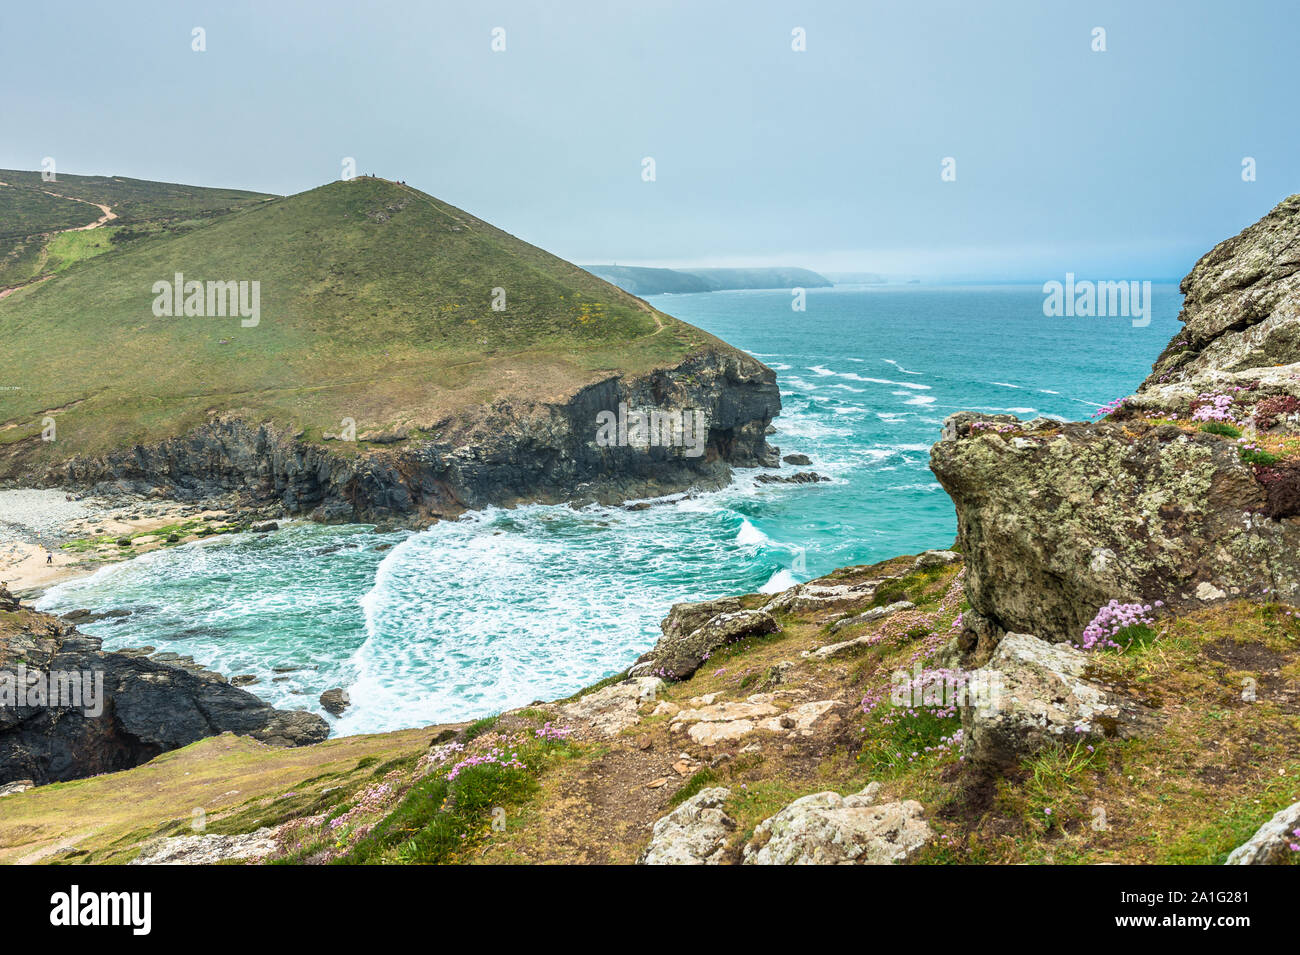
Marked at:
<point>335,701</point>
<point>695,833</point>
<point>829,829</point>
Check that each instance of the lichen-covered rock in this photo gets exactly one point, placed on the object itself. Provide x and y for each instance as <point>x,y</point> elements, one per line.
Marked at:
<point>1271,844</point>
<point>1076,515</point>
<point>1241,302</point>
<point>207,849</point>
<point>614,708</point>
<point>692,632</point>
<point>1055,520</point>
<point>871,616</point>
<point>829,829</point>
<point>1038,696</point>
<point>695,833</point>
<point>935,558</point>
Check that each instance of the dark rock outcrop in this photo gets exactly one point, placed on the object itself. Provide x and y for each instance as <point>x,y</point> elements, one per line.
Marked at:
<point>1057,519</point>
<point>502,454</point>
<point>128,709</point>
<point>335,701</point>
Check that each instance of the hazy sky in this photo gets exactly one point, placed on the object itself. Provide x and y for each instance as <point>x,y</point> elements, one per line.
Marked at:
<point>1118,164</point>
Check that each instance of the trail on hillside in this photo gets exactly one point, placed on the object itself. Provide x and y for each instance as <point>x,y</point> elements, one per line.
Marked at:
<point>108,214</point>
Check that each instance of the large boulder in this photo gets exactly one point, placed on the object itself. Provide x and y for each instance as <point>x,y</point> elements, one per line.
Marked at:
<point>829,829</point>
<point>693,631</point>
<point>1035,695</point>
<point>1274,843</point>
<point>1057,519</point>
<point>695,833</point>
<point>1061,519</point>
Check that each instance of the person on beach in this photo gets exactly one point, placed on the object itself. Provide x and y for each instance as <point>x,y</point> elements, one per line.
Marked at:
<point>49,557</point>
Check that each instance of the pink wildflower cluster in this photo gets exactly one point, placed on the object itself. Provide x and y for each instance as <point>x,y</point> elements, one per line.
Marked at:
<point>1110,408</point>
<point>496,755</point>
<point>1111,619</point>
<point>898,626</point>
<point>1295,846</point>
<point>991,426</point>
<point>437,756</point>
<point>552,732</point>
<point>371,800</point>
<point>946,744</point>
<point>1213,408</point>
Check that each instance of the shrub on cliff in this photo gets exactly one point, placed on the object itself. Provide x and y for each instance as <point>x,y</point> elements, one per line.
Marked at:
<point>1268,411</point>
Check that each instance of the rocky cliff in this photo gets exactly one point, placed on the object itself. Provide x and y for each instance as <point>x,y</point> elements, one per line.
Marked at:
<point>1187,493</point>
<point>69,710</point>
<point>502,454</point>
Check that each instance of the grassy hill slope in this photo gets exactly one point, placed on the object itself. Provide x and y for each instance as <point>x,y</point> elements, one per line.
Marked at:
<point>375,305</point>
<point>33,212</point>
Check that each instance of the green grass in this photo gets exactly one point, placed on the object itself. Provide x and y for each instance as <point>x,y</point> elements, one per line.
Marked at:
<point>70,248</point>
<point>33,212</point>
<point>899,737</point>
<point>439,818</point>
<point>479,727</point>
<point>1262,458</point>
<point>375,306</point>
<point>1220,428</point>
<point>698,782</point>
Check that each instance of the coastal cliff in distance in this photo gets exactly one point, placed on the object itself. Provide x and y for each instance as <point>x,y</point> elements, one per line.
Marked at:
<point>359,352</point>
<point>650,281</point>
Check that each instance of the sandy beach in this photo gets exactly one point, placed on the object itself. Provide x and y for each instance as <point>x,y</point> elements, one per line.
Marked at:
<point>36,523</point>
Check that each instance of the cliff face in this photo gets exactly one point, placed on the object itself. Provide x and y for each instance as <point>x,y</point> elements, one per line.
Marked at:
<point>499,455</point>
<point>1188,493</point>
<point>68,709</point>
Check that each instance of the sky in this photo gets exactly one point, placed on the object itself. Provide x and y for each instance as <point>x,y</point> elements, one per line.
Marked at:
<point>1122,163</point>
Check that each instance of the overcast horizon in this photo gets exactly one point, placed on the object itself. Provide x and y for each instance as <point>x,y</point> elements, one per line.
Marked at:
<point>1126,162</point>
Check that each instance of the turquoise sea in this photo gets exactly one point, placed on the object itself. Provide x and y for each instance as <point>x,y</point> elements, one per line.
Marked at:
<point>504,607</point>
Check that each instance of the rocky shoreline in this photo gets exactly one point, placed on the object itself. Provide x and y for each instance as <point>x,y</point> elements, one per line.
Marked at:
<point>501,455</point>
<point>68,709</point>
